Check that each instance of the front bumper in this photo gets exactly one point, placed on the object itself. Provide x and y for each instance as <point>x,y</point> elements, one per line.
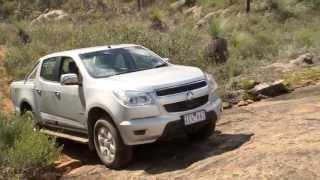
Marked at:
<point>148,130</point>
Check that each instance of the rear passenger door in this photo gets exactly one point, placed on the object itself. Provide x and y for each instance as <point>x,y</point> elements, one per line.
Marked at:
<point>46,89</point>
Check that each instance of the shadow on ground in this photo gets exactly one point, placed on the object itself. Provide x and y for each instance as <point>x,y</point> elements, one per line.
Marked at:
<point>165,156</point>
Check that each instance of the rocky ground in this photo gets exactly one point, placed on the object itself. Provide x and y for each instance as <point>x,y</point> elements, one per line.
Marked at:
<point>5,103</point>
<point>277,138</point>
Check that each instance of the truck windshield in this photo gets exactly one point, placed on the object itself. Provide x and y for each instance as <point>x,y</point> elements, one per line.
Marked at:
<point>113,62</point>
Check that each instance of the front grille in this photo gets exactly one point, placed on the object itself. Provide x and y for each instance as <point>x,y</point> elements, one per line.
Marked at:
<point>180,89</point>
<point>187,105</point>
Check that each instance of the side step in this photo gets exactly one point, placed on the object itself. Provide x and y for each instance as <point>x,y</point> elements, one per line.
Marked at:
<point>65,136</point>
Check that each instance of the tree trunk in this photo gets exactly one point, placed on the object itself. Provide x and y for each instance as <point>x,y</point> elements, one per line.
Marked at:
<point>248,6</point>
<point>86,5</point>
<point>139,5</point>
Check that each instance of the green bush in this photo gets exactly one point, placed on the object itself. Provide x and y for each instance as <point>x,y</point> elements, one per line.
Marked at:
<point>215,29</point>
<point>24,151</point>
<point>8,34</point>
<point>313,3</point>
<point>245,44</point>
<point>156,15</point>
<point>217,3</point>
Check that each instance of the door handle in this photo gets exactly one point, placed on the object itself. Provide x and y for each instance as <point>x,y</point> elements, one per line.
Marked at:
<point>57,93</point>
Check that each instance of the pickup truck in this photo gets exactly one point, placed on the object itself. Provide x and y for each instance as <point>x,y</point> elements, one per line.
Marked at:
<point>117,96</point>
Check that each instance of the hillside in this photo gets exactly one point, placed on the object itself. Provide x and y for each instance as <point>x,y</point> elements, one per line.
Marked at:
<point>5,103</point>
<point>277,41</point>
<point>272,31</point>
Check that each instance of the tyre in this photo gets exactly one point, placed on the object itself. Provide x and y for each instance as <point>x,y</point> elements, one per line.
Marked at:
<point>203,133</point>
<point>109,145</point>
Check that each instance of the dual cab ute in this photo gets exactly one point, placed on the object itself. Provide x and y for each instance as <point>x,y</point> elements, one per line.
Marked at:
<point>115,97</point>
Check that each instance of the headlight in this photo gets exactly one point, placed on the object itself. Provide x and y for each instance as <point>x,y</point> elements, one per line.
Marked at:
<point>134,98</point>
<point>212,83</point>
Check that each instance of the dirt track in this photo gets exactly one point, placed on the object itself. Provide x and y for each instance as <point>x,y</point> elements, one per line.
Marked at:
<point>274,139</point>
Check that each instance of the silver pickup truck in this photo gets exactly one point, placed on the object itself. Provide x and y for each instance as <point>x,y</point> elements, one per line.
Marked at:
<point>114,97</point>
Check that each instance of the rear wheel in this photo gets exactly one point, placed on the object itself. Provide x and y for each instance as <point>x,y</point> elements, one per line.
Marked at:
<point>109,145</point>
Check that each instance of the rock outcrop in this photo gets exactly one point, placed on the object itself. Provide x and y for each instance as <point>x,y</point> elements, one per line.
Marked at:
<point>51,16</point>
<point>304,60</point>
<point>269,89</point>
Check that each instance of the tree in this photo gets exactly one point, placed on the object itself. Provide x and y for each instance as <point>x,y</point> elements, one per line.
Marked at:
<point>248,6</point>
<point>139,2</point>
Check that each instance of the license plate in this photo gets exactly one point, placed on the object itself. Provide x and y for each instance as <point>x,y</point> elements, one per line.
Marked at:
<point>194,117</point>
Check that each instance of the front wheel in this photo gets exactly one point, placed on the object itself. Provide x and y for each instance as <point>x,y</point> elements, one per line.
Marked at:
<point>109,145</point>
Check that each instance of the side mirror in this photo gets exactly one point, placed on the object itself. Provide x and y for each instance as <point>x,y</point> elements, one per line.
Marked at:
<point>166,60</point>
<point>69,79</point>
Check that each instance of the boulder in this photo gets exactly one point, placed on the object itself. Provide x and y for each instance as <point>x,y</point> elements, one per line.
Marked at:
<point>226,105</point>
<point>68,165</point>
<point>242,103</point>
<point>270,90</point>
<point>178,5</point>
<point>303,60</point>
<point>54,15</point>
<point>194,11</point>
<point>207,18</point>
<point>250,101</point>
<point>281,67</point>
<point>211,15</point>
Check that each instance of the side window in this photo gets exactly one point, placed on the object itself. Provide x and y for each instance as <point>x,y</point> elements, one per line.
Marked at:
<point>68,66</point>
<point>49,69</point>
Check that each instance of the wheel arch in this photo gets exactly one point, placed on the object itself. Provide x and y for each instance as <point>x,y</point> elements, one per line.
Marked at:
<point>25,106</point>
<point>93,115</point>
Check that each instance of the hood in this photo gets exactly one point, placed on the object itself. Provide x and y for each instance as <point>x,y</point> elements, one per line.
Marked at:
<point>148,80</point>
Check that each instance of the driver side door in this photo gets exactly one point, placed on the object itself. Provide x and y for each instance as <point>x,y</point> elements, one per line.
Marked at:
<point>70,99</point>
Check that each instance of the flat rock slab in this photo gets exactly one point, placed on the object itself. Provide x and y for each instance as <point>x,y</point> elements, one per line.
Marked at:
<point>276,138</point>
<point>270,89</point>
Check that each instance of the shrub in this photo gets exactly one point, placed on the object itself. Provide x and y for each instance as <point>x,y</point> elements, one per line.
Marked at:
<point>247,84</point>
<point>181,44</point>
<point>313,3</point>
<point>304,37</point>
<point>245,44</point>
<point>8,34</point>
<point>215,29</point>
<point>22,150</point>
<point>302,77</point>
<point>215,3</point>
<point>156,15</point>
